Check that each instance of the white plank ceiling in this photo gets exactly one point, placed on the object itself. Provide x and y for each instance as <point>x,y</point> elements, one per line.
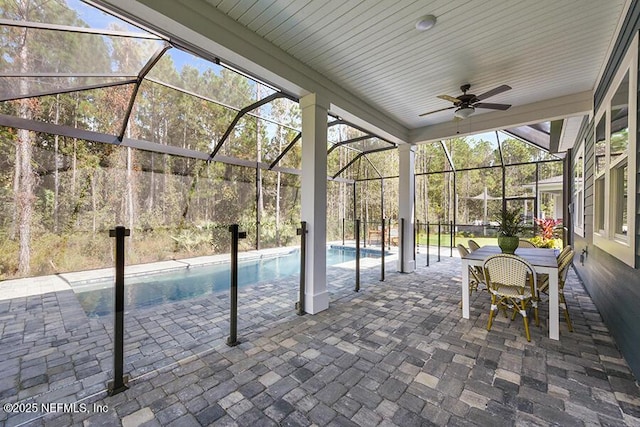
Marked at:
<point>543,49</point>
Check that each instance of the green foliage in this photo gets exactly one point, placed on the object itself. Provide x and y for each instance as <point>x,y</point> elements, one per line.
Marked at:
<point>190,240</point>
<point>540,242</point>
<point>509,222</point>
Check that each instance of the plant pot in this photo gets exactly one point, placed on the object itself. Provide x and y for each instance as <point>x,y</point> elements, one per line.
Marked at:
<point>508,244</point>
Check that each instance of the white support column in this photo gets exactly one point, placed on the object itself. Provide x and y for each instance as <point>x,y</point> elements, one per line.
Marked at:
<point>406,191</point>
<point>314,200</point>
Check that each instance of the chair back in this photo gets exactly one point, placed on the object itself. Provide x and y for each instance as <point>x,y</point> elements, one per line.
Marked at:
<point>563,267</point>
<point>564,252</point>
<point>473,245</point>
<point>511,270</point>
<point>524,243</point>
<point>462,250</point>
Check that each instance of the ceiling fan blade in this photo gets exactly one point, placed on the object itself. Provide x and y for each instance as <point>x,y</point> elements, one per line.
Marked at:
<point>449,98</point>
<point>492,106</point>
<point>436,111</point>
<point>493,92</point>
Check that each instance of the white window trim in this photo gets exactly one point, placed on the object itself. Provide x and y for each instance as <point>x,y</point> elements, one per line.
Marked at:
<point>620,246</point>
<point>578,208</point>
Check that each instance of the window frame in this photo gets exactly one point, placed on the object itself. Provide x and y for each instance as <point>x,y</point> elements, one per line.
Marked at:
<point>606,182</point>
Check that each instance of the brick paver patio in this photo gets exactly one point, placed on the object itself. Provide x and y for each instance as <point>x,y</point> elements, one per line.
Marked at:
<point>396,353</point>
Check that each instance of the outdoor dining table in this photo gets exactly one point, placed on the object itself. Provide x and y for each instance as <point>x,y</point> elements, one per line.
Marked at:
<point>541,259</point>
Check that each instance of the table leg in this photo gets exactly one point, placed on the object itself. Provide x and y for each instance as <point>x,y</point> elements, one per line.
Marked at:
<point>554,316</point>
<point>465,289</point>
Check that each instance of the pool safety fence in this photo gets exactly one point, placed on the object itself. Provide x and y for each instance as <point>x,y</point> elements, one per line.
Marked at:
<point>382,233</point>
<point>119,382</point>
<point>371,232</point>
<point>236,235</point>
<point>401,245</point>
<point>302,232</point>
<point>444,231</point>
<point>357,231</point>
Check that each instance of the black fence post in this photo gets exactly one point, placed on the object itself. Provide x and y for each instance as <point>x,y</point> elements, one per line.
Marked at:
<point>428,244</point>
<point>413,242</point>
<point>236,235</point>
<point>382,251</point>
<point>302,232</point>
<point>439,240</point>
<point>119,383</point>
<point>401,245</point>
<point>357,232</point>
<point>451,237</point>
<point>417,234</point>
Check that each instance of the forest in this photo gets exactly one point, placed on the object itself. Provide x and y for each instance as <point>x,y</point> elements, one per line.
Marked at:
<point>59,195</point>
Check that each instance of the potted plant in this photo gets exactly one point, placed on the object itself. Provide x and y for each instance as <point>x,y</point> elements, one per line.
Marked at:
<point>509,228</point>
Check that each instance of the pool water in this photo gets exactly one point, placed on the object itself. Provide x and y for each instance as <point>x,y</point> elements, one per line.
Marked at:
<point>155,289</point>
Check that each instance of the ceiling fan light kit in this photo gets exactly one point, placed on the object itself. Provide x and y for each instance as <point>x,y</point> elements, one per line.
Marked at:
<point>425,23</point>
<point>464,112</point>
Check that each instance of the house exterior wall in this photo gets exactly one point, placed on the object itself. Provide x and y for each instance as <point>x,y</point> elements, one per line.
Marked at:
<point>613,285</point>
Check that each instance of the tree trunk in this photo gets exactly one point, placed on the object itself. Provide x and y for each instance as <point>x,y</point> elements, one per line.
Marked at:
<point>278,194</point>
<point>24,177</point>
<point>25,195</point>
<point>56,174</point>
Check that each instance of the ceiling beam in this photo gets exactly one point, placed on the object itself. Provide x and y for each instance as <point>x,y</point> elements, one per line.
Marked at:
<point>570,132</point>
<point>557,128</point>
<point>550,109</point>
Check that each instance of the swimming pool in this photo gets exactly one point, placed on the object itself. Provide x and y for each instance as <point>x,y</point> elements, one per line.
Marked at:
<point>96,298</point>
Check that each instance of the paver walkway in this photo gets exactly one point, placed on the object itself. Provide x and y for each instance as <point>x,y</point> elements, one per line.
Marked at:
<point>396,353</point>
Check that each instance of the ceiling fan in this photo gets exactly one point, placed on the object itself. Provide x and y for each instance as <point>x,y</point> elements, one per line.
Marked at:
<point>467,103</point>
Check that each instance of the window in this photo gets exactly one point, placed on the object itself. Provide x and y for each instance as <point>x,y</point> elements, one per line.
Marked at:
<point>598,221</point>
<point>578,191</point>
<point>614,187</point>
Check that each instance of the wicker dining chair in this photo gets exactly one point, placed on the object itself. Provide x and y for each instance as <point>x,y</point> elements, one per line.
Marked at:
<point>511,280</point>
<point>473,245</point>
<point>476,277</point>
<point>564,252</point>
<point>564,263</point>
<point>524,243</point>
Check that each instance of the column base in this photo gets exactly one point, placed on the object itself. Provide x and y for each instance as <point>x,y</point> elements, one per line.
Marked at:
<point>409,267</point>
<point>316,303</point>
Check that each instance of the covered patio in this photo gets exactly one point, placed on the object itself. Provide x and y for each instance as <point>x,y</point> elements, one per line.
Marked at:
<point>286,124</point>
<point>395,353</point>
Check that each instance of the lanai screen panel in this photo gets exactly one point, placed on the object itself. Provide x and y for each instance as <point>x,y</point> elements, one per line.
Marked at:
<point>384,162</point>
<point>279,126</point>
<point>515,151</point>
<point>431,158</point>
<point>97,110</point>
<point>518,180</point>
<point>474,152</point>
<point>207,79</point>
<point>280,209</point>
<point>169,117</point>
<point>547,204</point>
<point>479,195</point>
<point>277,139</point>
<point>61,53</point>
<point>435,197</point>
<point>340,210</point>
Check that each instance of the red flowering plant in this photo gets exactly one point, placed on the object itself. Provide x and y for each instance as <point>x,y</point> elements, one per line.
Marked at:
<point>547,227</point>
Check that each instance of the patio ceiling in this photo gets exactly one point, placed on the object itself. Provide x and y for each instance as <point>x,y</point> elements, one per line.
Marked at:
<point>381,73</point>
